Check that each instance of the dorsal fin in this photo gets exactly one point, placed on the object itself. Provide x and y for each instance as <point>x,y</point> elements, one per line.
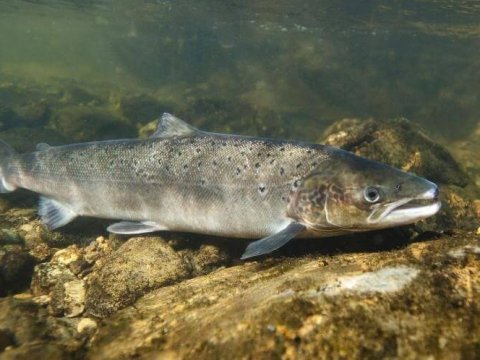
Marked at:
<point>169,126</point>
<point>43,146</point>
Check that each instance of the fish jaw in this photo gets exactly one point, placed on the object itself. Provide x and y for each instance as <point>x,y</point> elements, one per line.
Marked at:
<point>410,210</point>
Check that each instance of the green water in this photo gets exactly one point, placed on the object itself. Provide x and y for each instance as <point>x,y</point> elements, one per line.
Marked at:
<point>281,68</point>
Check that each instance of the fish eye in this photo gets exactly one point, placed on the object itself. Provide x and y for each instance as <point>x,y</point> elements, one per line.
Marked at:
<point>371,194</point>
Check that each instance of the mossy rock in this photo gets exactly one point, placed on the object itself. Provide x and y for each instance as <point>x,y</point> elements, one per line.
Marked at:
<point>85,123</point>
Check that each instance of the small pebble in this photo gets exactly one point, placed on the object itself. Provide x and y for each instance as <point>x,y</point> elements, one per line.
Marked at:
<point>86,325</point>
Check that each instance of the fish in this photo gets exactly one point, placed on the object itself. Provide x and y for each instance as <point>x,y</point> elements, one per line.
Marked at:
<point>185,179</point>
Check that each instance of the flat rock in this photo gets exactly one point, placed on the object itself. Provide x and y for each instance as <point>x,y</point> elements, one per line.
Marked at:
<point>420,301</point>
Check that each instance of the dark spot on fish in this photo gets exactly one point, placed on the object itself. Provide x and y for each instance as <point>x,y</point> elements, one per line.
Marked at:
<point>282,171</point>
<point>272,161</point>
<point>229,158</point>
<point>214,163</point>
<point>197,150</point>
<point>299,165</point>
<point>257,165</point>
<point>135,162</point>
<point>238,171</point>
<point>314,164</point>
<point>282,149</point>
<point>202,181</point>
<point>262,189</point>
<point>268,155</point>
<point>199,164</point>
<point>167,168</point>
<point>179,153</point>
<point>296,183</point>
<point>112,162</point>
<point>185,166</point>
<point>242,152</point>
<point>259,154</point>
<point>224,144</point>
<point>309,151</point>
<point>212,143</point>
<point>245,166</point>
<point>250,148</point>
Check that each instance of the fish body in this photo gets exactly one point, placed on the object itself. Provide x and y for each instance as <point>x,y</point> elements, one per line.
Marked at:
<point>184,179</point>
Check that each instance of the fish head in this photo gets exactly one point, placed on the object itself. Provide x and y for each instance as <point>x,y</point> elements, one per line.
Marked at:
<point>348,193</point>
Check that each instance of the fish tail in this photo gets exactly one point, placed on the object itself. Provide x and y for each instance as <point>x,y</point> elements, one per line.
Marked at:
<point>6,155</point>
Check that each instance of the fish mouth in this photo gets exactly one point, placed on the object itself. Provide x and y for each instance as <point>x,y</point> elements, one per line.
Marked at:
<point>409,210</point>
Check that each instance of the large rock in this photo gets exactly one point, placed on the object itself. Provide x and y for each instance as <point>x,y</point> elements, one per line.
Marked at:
<point>420,301</point>
<point>399,143</point>
<point>26,332</point>
<point>141,265</point>
<point>16,268</point>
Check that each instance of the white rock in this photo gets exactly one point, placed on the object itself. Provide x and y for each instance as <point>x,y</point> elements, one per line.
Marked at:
<point>74,299</point>
<point>86,325</point>
<point>67,255</point>
<point>388,279</point>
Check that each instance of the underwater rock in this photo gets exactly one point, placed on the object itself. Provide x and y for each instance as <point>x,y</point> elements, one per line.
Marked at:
<point>16,268</point>
<point>399,143</point>
<point>230,117</point>
<point>466,151</point>
<point>32,115</point>
<point>26,332</point>
<point>137,267</point>
<point>6,116</point>
<point>87,326</point>
<point>60,283</point>
<point>78,95</point>
<point>141,109</point>
<point>86,123</point>
<point>358,305</point>
<point>24,140</point>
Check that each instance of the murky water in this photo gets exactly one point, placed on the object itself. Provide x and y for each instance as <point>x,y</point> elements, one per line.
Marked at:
<point>286,68</point>
<point>81,70</point>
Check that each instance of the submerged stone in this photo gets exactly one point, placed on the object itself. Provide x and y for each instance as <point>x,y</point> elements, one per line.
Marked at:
<point>359,305</point>
<point>137,267</point>
<point>87,123</point>
<point>16,268</point>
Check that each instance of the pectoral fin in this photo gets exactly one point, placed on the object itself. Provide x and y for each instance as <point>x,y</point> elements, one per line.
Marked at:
<point>55,214</point>
<point>273,242</point>
<point>133,228</point>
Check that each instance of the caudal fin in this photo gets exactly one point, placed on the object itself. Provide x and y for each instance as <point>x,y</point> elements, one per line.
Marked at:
<point>6,154</point>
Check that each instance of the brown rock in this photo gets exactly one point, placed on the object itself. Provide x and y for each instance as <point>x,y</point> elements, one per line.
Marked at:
<point>385,304</point>
<point>137,267</point>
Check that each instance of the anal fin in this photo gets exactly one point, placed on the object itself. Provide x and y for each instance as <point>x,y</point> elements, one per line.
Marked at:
<point>132,228</point>
<point>273,242</point>
<point>54,214</point>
